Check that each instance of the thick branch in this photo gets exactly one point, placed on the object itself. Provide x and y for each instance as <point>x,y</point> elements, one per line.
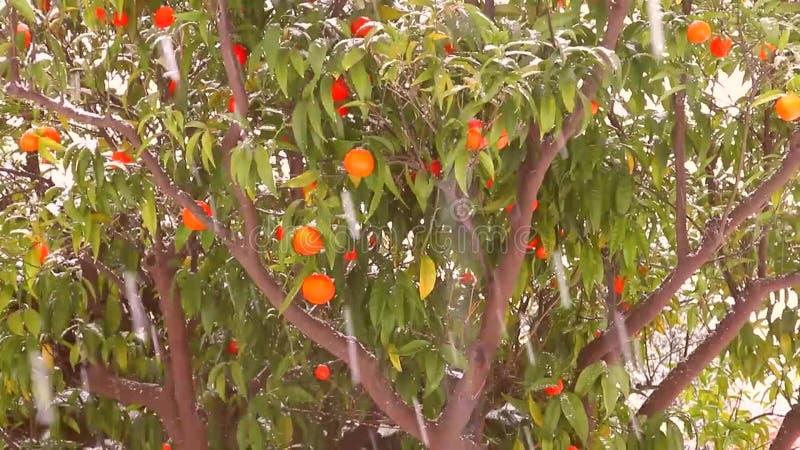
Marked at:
<point>232,70</point>
<point>180,358</point>
<point>466,394</point>
<point>679,145</point>
<point>684,373</point>
<point>717,232</point>
<point>789,431</point>
<point>102,382</point>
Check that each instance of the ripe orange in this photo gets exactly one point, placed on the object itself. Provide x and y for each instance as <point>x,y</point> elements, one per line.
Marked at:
<point>232,104</point>
<point>342,111</point>
<point>240,51</point>
<point>503,141</point>
<point>307,190</point>
<point>172,86</point>
<point>619,284</point>
<point>541,252</point>
<point>307,241</point>
<point>50,132</point>
<point>120,20</point>
<point>788,107</point>
<point>100,13</point>
<point>467,278</point>
<point>359,163</point>
<point>233,347</point>
<point>318,289</point>
<point>475,123</point>
<point>44,5</point>
<point>360,27</point>
<point>767,50</point>
<point>533,243</point>
<point>322,372</point>
<point>43,250</point>
<point>449,49</point>
<point>720,46</point>
<point>340,90</point>
<point>164,17</point>
<point>435,168</point>
<point>191,221</point>
<point>279,233</point>
<point>490,183</point>
<point>475,139</point>
<point>166,447</point>
<point>572,447</point>
<point>26,32</point>
<point>29,142</point>
<point>595,107</point>
<point>351,255</point>
<point>698,32</point>
<point>121,157</point>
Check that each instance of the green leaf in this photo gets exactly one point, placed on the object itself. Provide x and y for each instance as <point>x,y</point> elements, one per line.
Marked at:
<point>620,376</point>
<point>14,323</point>
<point>552,413</point>
<point>610,393</point>
<point>302,180</point>
<point>547,114</point>
<point>352,57</point>
<point>588,377</point>
<point>300,125</point>
<point>566,84</point>
<point>412,347</point>
<point>285,431</point>
<point>33,321</point>
<point>149,218</point>
<point>624,194</point>
<point>535,411</point>
<point>6,293</point>
<point>264,168</point>
<point>296,285</point>
<point>767,97</point>
<point>573,410</point>
<point>25,9</point>
<point>394,357</point>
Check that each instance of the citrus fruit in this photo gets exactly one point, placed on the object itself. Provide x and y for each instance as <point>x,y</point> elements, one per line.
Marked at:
<point>164,17</point>
<point>307,241</point>
<point>698,32</point>
<point>318,289</point>
<point>788,107</point>
<point>191,221</point>
<point>359,162</point>
<point>29,142</point>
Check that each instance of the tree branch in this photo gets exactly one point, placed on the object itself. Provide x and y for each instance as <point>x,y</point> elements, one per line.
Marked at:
<point>679,145</point>
<point>466,394</point>
<point>789,431</point>
<point>102,382</point>
<point>717,232</point>
<point>684,373</point>
<point>180,358</point>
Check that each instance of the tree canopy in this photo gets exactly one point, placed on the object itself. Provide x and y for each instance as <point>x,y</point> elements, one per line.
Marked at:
<point>329,224</point>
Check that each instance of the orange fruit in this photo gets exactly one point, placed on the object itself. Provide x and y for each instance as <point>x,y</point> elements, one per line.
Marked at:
<point>50,132</point>
<point>308,189</point>
<point>29,142</point>
<point>475,140</point>
<point>121,157</point>
<point>340,90</point>
<point>698,32</point>
<point>359,163</point>
<point>44,5</point>
<point>359,27</point>
<point>166,447</point>
<point>767,50</point>
<point>503,141</point>
<point>541,252</point>
<point>172,86</point>
<point>240,51</point>
<point>322,372</point>
<point>490,183</point>
<point>43,250</point>
<point>233,347</point>
<point>164,17</point>
<point>788,107</point>
<point>100,13</point>
<point>120,20</point>
<point>351,255</point>
<point>232,104</point>
<point>619,284</point>
<point>449,49</point>
<point>595,107</point>
<point>318,289</point>
<point>279,233</point>
<point>307,241</point>
<point>720,46</point>
<point>342,111</point>
<point>191,221</point>
<point>26,32</point>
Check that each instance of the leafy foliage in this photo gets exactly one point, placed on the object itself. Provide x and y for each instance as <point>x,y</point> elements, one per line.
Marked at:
<point>605,208</point>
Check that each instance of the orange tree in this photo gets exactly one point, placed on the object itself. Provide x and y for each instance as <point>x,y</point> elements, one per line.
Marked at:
<point>295,224</point>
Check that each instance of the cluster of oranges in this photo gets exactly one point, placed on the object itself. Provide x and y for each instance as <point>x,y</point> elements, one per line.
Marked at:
<point>29,142</point>
<point>787,107</point>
